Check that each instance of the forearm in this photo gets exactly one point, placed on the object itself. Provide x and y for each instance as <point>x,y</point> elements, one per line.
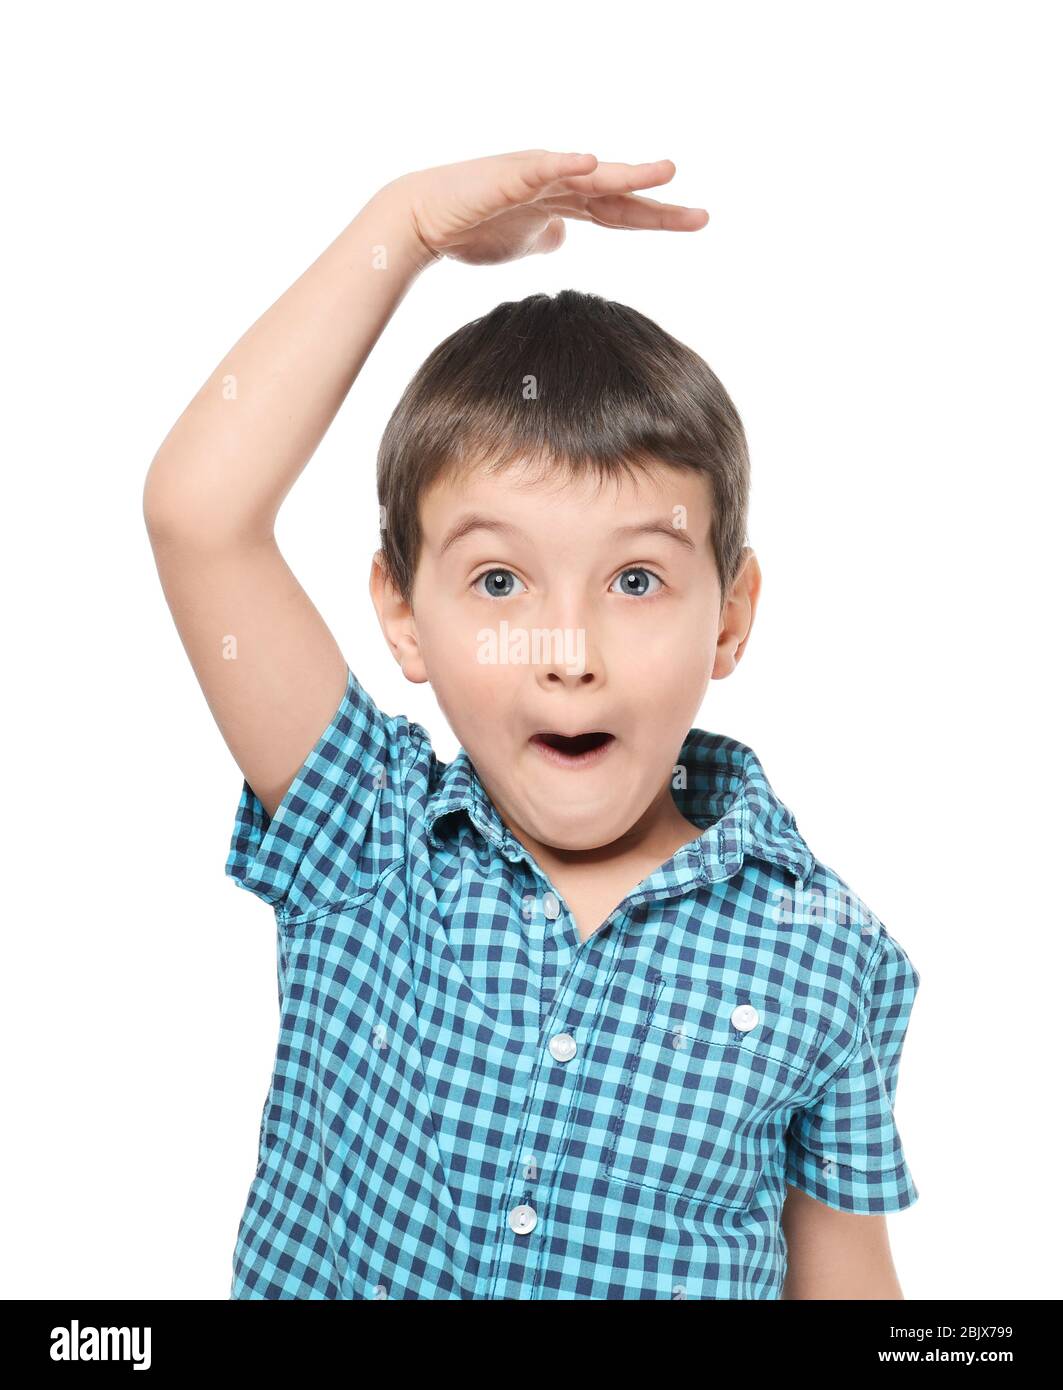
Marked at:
<point>233,455</point>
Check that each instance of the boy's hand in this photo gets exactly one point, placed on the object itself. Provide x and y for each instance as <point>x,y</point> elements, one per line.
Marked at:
<point>506,206</point>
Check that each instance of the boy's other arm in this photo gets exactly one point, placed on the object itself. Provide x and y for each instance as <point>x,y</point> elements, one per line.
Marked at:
<point>835,1254</point>
<point>215,487</point>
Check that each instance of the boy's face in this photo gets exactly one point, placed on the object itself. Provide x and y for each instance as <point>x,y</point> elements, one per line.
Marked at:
<point>559,613</point>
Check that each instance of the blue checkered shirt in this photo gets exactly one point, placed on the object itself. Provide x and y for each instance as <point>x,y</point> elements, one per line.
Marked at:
<point>469,1102</point>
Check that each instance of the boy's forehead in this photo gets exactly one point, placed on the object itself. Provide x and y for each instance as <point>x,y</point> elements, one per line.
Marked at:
<point>540,501</point>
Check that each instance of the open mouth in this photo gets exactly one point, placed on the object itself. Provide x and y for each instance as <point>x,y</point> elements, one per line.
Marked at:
<point>577,751</point>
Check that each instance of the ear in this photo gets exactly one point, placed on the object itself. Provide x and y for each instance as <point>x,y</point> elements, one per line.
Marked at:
<point>736,617</point>
<point>396,620</point>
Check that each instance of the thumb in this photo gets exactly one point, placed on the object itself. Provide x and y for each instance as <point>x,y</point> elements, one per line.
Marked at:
<point>551,237</point>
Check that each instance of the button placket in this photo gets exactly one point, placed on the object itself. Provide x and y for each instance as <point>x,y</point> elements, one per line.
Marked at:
<point>544,1137</point>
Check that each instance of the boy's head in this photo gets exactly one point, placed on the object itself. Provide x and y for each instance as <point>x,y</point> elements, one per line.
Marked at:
<point>564,491</point>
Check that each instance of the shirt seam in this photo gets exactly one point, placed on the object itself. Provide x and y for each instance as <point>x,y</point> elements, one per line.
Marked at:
<point>305,919</point>
<point>860,1022</point>
<point>794,1142</point>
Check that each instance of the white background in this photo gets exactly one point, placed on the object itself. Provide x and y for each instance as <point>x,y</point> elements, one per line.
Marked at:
<point>879,290</point>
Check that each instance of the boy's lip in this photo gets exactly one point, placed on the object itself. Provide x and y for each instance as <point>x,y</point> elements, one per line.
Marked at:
<point>584,752</point>
<point>581,732</point>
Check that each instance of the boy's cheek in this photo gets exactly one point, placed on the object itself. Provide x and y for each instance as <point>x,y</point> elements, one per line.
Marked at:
<point>481,702</point>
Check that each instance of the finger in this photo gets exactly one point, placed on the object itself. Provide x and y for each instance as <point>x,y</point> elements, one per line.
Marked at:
<point>630,211</point>
<point>621,178</point>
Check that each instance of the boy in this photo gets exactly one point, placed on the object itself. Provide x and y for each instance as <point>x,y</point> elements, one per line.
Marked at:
<point>578,1014</point>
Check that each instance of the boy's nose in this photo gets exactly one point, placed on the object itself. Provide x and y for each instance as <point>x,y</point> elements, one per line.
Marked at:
<point>561,675</point>
<point>569,652</point>
<point>568,657</point>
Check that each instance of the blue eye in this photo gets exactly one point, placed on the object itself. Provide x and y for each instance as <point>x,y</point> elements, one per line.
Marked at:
<point>497,586</point>
<point>639,587</point>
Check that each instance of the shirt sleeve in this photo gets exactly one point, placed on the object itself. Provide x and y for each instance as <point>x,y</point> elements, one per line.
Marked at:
<point>341,822</point>
<point>845,1149</point>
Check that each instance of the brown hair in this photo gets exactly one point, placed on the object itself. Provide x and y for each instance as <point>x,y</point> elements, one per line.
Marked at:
<point>611,390</point>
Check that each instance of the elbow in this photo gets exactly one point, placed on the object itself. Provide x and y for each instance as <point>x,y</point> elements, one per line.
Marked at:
<point>156,518</point>
<point>166,508</point>
<point>177,512</point>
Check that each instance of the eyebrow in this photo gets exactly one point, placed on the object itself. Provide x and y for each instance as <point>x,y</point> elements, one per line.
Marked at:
<point>657,528</point>
<point>478,521</point>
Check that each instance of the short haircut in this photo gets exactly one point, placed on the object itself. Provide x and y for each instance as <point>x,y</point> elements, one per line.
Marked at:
<point>572,382</point>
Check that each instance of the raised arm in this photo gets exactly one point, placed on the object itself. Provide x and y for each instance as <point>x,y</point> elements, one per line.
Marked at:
<point>268,665</point>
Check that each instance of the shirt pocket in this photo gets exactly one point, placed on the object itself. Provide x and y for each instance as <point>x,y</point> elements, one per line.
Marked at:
<point>715,1075</point>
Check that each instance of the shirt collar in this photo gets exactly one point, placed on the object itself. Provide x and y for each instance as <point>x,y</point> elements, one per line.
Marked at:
<point>717,783</point>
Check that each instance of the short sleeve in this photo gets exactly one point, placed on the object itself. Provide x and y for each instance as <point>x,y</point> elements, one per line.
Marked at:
<point>341,822</point>
<point>845,1149</point>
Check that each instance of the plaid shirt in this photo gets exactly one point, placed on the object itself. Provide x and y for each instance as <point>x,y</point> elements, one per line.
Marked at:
<point>470,1102</point>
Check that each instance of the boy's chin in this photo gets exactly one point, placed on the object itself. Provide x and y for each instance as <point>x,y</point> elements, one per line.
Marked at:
<point>581,834</point>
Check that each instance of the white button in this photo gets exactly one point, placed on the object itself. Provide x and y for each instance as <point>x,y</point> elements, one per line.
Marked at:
<point>745,1017</point>
<point>551,905</point>
<point>522,1220</point>
<point>563,1047</point>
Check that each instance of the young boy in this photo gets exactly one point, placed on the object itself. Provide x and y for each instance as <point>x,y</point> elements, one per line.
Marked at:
<point>578,1014</point>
